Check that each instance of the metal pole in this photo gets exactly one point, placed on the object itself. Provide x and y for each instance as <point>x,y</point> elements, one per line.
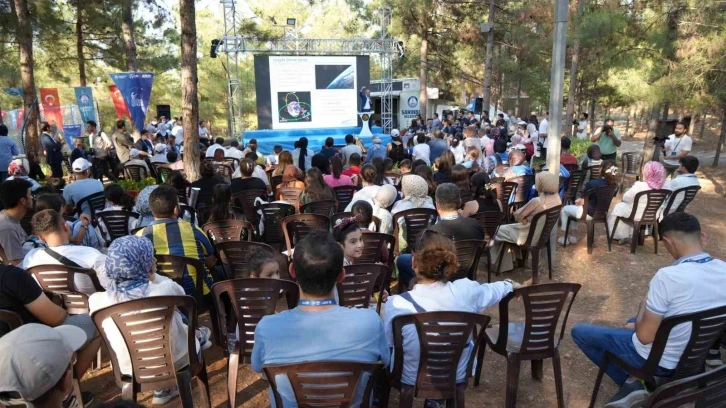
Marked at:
<point>488,61</point>
<point>557,86</point>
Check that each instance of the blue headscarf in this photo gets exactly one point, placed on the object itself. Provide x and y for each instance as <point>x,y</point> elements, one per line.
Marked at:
<point>128,263</point>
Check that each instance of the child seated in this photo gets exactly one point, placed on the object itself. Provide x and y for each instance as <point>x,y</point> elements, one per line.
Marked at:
<point>263,264</point>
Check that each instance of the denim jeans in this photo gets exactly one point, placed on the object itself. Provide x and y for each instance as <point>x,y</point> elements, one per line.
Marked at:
<point>595,340</point>
<point>405,269</point>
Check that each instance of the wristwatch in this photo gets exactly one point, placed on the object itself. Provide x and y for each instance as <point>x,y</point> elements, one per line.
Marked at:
<point>511,282</point>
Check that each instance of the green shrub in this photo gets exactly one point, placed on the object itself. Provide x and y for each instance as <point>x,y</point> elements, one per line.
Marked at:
<point>131,185</point>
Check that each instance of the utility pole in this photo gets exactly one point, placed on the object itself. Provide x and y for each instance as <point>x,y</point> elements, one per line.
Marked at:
<point>489,29</point>
<point>557,86</point>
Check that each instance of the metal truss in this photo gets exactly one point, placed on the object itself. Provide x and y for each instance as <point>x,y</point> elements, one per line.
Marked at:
<point>233,45</point>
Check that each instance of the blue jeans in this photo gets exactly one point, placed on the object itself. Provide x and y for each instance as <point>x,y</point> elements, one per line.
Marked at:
<point>595,340</point>
<point>405,269</point>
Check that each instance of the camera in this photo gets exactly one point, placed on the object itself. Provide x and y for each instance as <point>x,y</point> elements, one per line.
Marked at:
<point>607,128</point>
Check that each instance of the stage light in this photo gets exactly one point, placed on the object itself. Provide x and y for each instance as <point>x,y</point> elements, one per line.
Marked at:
<point>291,22</point>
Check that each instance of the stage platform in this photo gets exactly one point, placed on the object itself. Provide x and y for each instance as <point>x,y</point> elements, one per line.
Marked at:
<point>267,139</point>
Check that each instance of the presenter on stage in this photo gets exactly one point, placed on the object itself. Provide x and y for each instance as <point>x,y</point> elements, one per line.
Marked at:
<point>366,105</point>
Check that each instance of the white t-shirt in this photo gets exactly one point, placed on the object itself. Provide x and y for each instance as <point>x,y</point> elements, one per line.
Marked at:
<point>675,145</point>
<point>459,153</point>
<point>543,126</point>
<point>692,284</point>
<point>582,129</point>
<point>422,151</point>
<point>462,295</point>
<point>233,152</point>
<point>203,132</point>
<point>86,257</point>
<point>178,132</point>
<point>160,286</point>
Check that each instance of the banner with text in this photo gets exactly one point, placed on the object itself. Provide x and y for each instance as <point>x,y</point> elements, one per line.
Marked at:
<point>51,106</point>
<point>135,87</point>
<point>118,102</point>
<point>84,99</point>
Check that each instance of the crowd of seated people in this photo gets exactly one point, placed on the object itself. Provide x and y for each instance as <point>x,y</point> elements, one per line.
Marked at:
<point>125,268</point>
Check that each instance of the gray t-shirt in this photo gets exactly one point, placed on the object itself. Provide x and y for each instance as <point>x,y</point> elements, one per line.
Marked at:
<point>12,236</point>
<point>80,189</point>
<point>347,151</point>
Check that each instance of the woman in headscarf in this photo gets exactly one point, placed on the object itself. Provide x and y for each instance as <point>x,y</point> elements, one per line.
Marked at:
<point>547,185</point>
<point>131,266</point>
<point>385,197</point>
<point>142,206</point>
<point>654,175</point>
<point>292,177</point>
<point>415,192</point>
<point>19,168</point>
<point>302,156</point>
<point>517,166</point>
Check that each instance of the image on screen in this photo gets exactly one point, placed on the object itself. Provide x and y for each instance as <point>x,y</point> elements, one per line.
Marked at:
<point>294,107</point>
<point>334,77</point>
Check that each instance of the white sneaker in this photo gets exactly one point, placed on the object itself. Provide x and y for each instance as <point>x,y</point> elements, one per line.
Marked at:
<point>204,336</point>
<point>162,397</point>
<point>570,240</point>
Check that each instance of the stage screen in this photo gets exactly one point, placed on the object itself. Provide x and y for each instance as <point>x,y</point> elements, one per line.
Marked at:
<point>303,92</point>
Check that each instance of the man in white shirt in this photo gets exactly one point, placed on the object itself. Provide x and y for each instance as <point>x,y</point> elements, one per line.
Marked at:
<point>677,145</point>
<point>178,131</point>
<point>50,226</point>
<point>232,151</point>
<point>684,177</point>
<point>692,284</point>
<point>582,126</point>
<point>218,144</point>
<point>101,144</point>
<point>544,126</point>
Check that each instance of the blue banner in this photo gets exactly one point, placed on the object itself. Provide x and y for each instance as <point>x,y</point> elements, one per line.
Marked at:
<point>14,91</point>
<point>72,132</point>
<point>135,87</point>
<point>84,99</point>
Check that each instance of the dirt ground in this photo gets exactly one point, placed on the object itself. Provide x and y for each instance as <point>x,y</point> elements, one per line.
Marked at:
<point>613,285</point>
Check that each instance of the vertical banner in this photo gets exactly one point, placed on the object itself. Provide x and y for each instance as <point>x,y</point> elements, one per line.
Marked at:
<point>135,87</point>
<point>118,102</point>
<point>51,106</point>
<point>84,99</point>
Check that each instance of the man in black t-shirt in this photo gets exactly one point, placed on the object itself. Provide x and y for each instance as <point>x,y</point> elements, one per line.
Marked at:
<point>450,222</point>
<point>247,182</point>
<point>20,293</point>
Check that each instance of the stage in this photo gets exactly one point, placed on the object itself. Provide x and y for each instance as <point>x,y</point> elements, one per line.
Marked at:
<point>267,139</point>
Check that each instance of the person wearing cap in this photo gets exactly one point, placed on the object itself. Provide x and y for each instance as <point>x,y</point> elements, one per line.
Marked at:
<point>37,362</point>
<point>83,186</point>
<point>136,160</point>
<point>8,149</point>
<point>159,156</point>
<point>377,150</point>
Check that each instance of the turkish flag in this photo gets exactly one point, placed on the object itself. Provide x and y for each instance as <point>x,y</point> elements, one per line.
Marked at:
<point>51,106</point>
<point>118,102</point>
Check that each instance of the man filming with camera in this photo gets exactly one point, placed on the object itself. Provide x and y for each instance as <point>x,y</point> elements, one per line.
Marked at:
<point>677,146</point>
<point>608,138</point>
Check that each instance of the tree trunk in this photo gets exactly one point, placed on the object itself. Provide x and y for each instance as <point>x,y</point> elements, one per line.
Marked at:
<point>664,121</point>
<point>519,95</point>
<point>592,115</point>
<point>25,44</point>
<point>190,103</point>
<point>649,143</point>
<point>127,28</point>
<point>721,139</point>
<point>692,124</point>
<point>423,74</point>
<point>79,43</point>
<point>570,112</point>
<point>487,98</point>
<point>500,95</point>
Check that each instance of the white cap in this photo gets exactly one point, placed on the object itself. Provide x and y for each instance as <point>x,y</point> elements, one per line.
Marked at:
<point>395,133</point>
<point>134,152</point>
<point>80,165</point>
<point>160,148</point>
<point>34,357</point>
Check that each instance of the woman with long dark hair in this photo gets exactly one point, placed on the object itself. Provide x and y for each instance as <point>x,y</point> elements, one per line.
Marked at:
<point>445,162</point>
<point>381,178</point>
<point>485,197</point>
<point>321,163</point>
<point>221,204</point>
<point>302,156</point>
<point>337,178</point>
<point>428,175</point>
<point>316,189</point>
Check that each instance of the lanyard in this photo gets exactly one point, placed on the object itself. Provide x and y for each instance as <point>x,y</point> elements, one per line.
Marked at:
<point>700,261</point>
<point>677,144</point>
<point>323,302</point>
